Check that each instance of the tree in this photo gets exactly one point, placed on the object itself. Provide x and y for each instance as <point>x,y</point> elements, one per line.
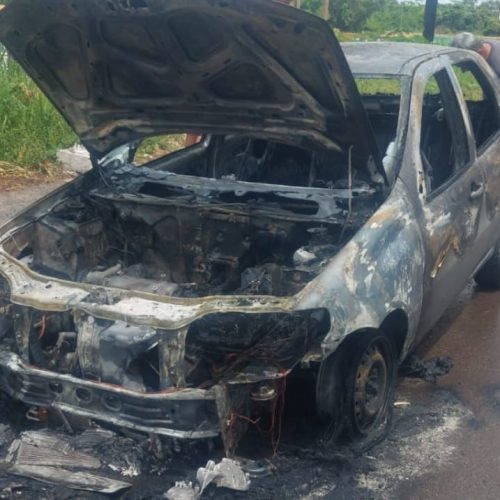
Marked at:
<point>381,16</point>
<point>326,9</point>
<point>397,17</point>
<point>348,15</point>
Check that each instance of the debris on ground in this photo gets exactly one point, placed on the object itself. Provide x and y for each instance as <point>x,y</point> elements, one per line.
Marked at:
<point>429,370</point>
<point>57,458</point>
<point>183,491</point>
<point>226,474</point>
<point>401,404</point>
<point>257,468</point>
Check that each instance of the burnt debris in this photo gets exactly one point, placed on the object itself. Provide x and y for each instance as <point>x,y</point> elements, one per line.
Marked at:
<point>428,370</point>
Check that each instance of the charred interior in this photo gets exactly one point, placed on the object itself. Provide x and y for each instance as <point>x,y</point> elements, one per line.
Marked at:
<point>234,216</point>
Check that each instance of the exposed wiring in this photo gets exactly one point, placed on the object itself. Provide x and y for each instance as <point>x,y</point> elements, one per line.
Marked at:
<point>43,327</point>
<point>235,416</point>
<point>277,411</point>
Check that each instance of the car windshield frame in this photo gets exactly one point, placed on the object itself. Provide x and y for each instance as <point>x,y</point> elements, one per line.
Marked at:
<point>404,109</point>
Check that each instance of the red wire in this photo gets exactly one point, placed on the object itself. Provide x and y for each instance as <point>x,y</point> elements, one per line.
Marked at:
<point>43,327</point>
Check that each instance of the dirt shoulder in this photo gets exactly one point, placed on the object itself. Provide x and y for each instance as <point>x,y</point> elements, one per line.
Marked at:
<point>17,192</point>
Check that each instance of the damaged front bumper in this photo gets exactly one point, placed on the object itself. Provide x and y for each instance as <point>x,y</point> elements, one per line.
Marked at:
<point>210,361</point>
<point>184,414</point>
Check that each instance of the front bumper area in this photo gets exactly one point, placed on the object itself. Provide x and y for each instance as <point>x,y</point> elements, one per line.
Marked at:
<point>184,414</point>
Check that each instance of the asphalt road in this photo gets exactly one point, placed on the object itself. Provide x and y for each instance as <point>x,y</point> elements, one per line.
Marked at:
<point>470,334</point>
<point>445,441</point>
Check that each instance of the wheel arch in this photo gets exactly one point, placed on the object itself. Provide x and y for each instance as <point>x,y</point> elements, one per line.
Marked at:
<point>396,327</point>
<point>331,395</point>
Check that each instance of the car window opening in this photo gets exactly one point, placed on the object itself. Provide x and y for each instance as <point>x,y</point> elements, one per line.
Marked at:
<point>382,100</point>
<point>481,101</point>
<point>443,139</point>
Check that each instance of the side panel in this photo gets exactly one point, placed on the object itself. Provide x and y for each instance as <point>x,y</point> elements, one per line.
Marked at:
<point>378,271</point>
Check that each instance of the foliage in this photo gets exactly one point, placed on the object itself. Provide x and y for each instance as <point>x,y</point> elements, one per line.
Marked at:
<point>31,130</point>
<point>349,15</point>
<point>374,86</point>
<point>392,86</point>
<point>389,16</point>
<point>394,17</point>
<point>155,147</point>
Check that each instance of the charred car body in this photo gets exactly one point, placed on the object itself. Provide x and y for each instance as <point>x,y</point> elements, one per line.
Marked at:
<point>175,298</point>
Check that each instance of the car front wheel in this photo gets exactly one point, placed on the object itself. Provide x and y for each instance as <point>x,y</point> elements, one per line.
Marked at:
<point>356,387</point>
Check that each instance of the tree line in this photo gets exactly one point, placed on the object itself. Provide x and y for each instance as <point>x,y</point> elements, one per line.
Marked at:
<point>382,16</point>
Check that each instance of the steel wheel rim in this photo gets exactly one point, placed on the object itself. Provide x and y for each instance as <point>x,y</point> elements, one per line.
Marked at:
<point>371,388</point>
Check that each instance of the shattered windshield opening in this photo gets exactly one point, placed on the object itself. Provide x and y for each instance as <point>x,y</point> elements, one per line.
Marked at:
<point>227,215</point>
<point>245,159</point>
<point>382,101</point>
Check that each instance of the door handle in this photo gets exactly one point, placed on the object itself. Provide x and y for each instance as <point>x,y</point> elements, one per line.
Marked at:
<point>476,190</point>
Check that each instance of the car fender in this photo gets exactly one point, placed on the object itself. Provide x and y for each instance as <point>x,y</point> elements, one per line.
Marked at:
<point>378,271</point>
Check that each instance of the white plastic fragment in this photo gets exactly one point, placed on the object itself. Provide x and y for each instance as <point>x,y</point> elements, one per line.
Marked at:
<point>303,257</point>
<point>182,491</point>
<point>399,404</point>
<point>226,474</point>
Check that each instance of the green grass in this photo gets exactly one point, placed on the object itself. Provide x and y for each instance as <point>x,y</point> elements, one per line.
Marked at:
<point>392,86</point>
<point>31,130</point>
<point>374,86</point>
<point>155,147</point>
<point>371,36</point>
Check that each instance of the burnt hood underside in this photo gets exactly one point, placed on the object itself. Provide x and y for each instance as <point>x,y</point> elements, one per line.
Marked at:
<point>122,69</point>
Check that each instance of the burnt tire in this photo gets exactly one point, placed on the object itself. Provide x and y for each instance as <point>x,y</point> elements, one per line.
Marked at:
<point>356,387</point>
<point>488,275</point>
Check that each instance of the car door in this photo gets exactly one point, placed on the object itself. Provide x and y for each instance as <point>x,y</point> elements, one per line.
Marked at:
<point>451,187</point>
<point>480,92</point>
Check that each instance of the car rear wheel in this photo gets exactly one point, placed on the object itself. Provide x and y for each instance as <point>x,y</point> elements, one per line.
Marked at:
<point>356,387</point>
<point>489,274</point>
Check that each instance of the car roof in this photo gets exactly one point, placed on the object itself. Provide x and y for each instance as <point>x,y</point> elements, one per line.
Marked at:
<point>389,58</point>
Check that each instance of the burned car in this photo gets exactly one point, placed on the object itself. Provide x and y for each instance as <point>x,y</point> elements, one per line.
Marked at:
<point>338,200</point>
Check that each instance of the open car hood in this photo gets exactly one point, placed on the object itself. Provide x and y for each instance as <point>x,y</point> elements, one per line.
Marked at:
<point>119,70</point>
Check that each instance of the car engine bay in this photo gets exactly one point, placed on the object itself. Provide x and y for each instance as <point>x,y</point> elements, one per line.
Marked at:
<point>172,234</point>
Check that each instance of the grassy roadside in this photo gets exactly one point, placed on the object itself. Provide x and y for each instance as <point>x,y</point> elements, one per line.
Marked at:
<point>31,130</point>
